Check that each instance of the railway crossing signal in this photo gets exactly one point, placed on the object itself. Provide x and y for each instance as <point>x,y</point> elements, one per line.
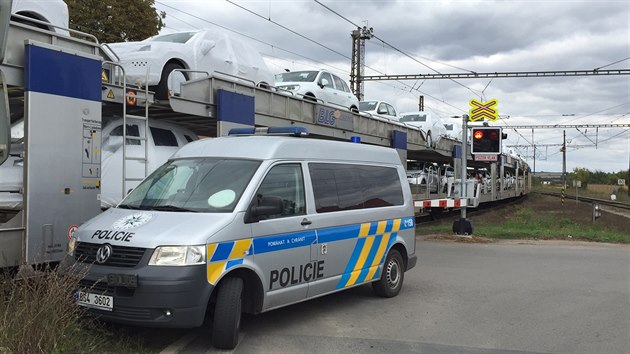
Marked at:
<point>486,140</point>
<point>480,110</point>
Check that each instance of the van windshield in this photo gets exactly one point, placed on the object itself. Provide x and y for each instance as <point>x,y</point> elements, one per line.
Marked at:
<point>209,185</point>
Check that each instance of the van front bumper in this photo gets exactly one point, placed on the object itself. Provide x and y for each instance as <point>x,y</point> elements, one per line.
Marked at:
<point>164,297</point>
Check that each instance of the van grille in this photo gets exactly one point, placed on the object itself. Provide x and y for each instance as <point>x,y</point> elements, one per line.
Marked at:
<point>96,287</point>
<point>121,256</point>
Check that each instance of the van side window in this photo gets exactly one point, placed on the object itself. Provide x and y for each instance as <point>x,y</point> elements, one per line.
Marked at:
<point>346,187</point>
<point>163,137</point>
<point>285,181</point>
<point>132,130</point>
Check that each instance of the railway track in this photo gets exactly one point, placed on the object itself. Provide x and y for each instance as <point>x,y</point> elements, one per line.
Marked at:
<point>609,203</point>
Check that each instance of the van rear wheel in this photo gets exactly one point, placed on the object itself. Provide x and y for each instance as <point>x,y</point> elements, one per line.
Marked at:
<point>392,276</point>
<point>227,313</point>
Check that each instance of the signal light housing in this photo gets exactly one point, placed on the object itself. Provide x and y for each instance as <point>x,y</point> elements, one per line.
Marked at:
<point>486,140</point>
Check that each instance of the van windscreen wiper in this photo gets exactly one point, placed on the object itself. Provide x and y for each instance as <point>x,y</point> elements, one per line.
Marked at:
<point>127,206</point>
<point>171,208</point>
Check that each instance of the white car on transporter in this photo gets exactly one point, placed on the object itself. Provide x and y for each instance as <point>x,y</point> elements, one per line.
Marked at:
<point>53,12</point>
<point>430,124</point>
<point>379,109</point>
<point>318,86</point>
<point>199,52</point>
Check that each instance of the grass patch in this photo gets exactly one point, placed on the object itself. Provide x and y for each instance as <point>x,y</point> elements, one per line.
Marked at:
<point>527,223</point>
<point>38,315</point>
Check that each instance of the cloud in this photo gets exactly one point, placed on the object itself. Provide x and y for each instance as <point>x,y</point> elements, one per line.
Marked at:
<point>448,36</point>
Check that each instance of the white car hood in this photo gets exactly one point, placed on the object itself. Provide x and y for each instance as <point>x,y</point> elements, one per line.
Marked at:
<point>149,229</point>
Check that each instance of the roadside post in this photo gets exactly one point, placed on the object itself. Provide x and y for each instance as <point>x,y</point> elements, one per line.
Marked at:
<point>463,226</point>
<point>577,184</point>
<point>597,211</point>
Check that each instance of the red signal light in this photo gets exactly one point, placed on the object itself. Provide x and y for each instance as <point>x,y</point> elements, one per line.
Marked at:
<point>494,134</point>
<point>478,134</point>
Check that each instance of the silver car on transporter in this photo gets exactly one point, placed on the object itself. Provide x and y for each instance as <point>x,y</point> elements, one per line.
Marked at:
<point>248,224</point>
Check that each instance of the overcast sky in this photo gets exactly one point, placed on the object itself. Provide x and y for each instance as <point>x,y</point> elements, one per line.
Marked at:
<point>455,37</point>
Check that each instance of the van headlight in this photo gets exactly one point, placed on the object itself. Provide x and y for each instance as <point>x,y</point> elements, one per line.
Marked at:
<point>178,255</point>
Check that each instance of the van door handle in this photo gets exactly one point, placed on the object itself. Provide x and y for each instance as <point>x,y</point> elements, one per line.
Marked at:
<point>305,222</point>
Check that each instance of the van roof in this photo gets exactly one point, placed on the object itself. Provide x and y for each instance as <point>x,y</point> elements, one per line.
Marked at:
<point>280,147</point>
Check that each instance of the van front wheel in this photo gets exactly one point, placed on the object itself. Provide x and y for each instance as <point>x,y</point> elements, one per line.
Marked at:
<point>227,313</point>
<point>392,276</point>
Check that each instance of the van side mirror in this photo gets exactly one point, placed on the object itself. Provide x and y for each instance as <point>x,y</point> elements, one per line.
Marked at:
<point>269,205</point>
<point>323,83</point>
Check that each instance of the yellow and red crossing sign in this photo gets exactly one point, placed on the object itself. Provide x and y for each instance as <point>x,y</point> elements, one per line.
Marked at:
<point>480,110</point>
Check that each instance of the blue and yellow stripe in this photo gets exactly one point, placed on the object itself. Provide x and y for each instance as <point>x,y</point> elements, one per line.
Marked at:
<point>223,256</point>
<point>374,239</point>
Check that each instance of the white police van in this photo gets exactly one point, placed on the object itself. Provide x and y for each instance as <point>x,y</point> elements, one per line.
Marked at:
<point>248,224</point>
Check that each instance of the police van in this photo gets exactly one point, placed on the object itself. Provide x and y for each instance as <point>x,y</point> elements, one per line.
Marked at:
<point>248,224</point>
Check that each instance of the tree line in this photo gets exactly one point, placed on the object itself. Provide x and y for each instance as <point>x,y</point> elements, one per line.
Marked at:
<point>597,177</point>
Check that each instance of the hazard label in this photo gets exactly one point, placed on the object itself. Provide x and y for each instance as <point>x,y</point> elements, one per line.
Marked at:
<point>110,94</point>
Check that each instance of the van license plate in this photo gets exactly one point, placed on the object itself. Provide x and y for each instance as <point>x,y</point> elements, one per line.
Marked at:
<point>95,301</point>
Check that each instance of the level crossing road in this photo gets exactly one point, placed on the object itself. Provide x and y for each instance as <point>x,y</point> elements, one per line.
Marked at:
<point>504,297</point>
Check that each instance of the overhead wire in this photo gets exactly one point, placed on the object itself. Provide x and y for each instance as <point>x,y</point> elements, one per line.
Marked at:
<point>594,113</point>
<point>179,19</point>
<point>412,87</point>
<point>241,34</point>
<point>324,46</point>
<point>273,46</point>
<point>396,49</point>
<point>613,63</point>
<point>288,29</point>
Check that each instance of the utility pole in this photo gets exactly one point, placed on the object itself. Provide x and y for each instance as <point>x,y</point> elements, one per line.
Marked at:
<point>564,163</point>
<point>534,150</point>
<point>357,68</point>
<point>421,103</point>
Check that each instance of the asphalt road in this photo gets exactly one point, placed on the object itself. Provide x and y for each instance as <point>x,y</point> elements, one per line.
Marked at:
<point>556,297</point>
